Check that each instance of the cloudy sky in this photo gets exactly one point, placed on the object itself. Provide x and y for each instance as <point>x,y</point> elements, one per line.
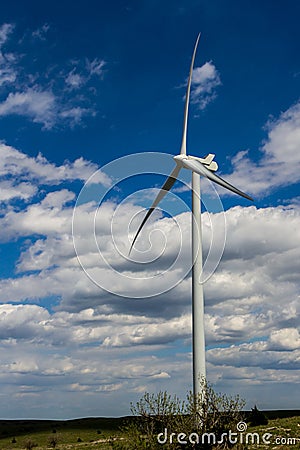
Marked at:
<point>91,107</point>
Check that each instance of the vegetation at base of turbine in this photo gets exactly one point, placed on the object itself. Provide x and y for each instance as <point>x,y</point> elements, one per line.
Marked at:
<point>211,412</point>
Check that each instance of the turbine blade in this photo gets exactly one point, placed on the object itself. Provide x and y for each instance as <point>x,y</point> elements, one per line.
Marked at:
<point>187,101</point>
<point>199,168</point>
<point>166,187</point>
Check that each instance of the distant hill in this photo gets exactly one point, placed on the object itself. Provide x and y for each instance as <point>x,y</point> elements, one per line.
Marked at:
<point>10,428</point>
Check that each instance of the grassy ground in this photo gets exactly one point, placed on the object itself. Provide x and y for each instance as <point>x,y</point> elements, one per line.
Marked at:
<point>89,433</point>
<point>98,433</point>
<point>285,434</point>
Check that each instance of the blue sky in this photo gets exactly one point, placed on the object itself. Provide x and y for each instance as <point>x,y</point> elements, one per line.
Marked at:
<point>82,88</point>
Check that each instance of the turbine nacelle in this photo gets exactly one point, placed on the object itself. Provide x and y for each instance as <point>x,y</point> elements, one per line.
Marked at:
<point>207,161</point>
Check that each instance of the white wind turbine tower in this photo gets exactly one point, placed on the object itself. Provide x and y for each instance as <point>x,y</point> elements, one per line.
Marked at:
<point>205,167</point>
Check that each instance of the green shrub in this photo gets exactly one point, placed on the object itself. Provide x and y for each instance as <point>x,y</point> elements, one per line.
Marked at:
<point>211,412</point>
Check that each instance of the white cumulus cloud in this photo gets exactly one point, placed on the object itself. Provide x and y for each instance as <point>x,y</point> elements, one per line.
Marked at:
<point>205,81</point>
<point>51,96</point>
<point>39,106</point>
<point>22,175</point>
<point>279,164</point>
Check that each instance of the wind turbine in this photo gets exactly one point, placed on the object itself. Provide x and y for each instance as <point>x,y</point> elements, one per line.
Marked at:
<point>206,168</point>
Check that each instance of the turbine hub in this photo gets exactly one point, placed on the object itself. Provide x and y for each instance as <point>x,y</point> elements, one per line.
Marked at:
<point>180,158</point>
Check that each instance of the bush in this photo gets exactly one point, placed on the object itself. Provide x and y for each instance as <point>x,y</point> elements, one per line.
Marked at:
<point>164,414</point>
<point>29,444</point>
<point>52,441</point>
<point>257,417</point>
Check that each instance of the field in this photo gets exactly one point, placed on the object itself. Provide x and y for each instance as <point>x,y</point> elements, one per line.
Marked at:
<point>99,433</point>
<point>87,433</point>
